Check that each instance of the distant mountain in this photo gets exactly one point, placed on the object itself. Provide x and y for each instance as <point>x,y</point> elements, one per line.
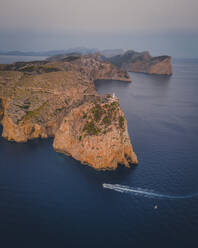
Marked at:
<point>31,53</point>
<point>128,60</point>
<point>111,52</point>
<point>79,50</point>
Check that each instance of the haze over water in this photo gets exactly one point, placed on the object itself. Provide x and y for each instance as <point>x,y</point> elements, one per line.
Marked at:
<point>9,59</point>
<point>51,200</point>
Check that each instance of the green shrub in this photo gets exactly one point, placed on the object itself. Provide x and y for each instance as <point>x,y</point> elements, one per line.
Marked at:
<point>84,116</point>
<point>91,129</point>
<point>108,96</point>
<point>35,113</point>
<point>97,112</point>
<point>106,120</point>
<point>121,121</point>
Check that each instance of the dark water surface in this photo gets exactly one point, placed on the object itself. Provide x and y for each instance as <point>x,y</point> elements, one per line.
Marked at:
<point>50,200</point>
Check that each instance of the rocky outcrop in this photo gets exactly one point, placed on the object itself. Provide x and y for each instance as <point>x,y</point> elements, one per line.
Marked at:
<point>1,110</point>
<point>143,62</point>
<point>96,134</point>
<point>93,66</point>
<point>35,104</point>
<point>47,98</point>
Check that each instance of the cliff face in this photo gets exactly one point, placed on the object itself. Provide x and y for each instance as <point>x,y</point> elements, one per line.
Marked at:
<point>93,67</point>
<point>39,99</point>
<point>1,110</point>
<point>96,133</point>
<point>35,104</point>
<point>143,62</point>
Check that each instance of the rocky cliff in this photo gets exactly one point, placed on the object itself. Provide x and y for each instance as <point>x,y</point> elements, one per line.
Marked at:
<point>96,134</point>
<point>48,98</point>
<point>143,62</point>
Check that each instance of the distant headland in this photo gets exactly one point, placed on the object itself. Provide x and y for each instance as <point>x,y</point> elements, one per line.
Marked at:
<point>128,60</point>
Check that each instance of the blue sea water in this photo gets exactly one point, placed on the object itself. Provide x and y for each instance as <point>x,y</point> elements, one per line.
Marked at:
<point>51,200</point>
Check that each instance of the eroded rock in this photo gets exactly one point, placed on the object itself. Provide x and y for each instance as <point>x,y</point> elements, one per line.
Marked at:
<point>58,98</point>
<point>96,133</point>
<point>143,62</point>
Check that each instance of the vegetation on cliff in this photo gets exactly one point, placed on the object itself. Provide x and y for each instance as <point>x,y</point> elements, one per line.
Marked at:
<point>96,133</point>
<point>103,113</point>
<point>38,99</point>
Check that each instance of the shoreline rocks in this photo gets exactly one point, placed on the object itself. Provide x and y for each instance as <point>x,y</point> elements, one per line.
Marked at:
<point>57,98</point>
<point>96,133</point>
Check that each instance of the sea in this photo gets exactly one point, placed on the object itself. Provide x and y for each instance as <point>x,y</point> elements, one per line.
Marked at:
<point>51,200</point>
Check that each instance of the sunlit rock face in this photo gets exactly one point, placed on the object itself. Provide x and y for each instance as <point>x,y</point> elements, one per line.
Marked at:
<point>44,99</point>
<point>96,133</point>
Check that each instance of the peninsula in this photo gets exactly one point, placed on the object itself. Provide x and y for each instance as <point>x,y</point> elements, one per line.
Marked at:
<point>128,60</point>
<point>132,61</point>
<point>57,98</point>
<point>143,62</point>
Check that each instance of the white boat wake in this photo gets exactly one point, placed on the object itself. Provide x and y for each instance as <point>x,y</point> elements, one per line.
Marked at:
<point>145,192</point>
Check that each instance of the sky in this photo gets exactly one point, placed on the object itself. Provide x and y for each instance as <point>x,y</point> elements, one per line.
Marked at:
<point>160,26</point>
